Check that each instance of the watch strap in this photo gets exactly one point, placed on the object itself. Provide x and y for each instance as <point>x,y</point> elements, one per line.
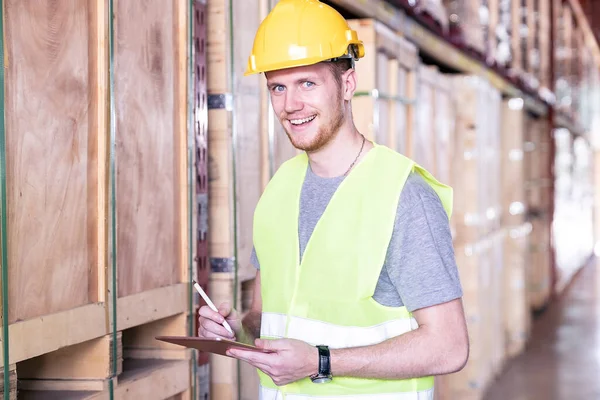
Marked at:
<point>324,360</point>
<point>323,374</point>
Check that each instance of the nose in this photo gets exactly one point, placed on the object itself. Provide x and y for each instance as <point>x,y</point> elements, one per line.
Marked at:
<point>292,102</point>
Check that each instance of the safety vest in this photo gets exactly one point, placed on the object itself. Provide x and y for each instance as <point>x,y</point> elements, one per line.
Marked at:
<point>327,297</point>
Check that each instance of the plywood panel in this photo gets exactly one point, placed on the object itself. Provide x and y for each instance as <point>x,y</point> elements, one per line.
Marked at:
<point>51,158</point>
<point>146,150</point>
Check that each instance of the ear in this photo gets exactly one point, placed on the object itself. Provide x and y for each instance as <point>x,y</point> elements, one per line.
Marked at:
<point>349,81</point>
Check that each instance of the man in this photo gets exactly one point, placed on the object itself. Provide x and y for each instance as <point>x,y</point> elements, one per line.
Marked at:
<point>357,291</point>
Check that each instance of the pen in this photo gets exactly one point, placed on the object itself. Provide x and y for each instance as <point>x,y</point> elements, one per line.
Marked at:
<point>211,305</point>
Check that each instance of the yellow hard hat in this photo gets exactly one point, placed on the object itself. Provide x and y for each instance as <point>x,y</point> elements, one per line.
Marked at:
<point>302,32</point>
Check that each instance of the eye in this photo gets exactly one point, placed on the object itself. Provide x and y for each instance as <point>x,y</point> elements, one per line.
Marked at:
<point>278,88</point>
<point>308,84</point>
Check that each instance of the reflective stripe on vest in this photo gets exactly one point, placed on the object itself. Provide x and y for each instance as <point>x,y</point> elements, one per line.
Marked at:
<point>274,394</point>
<point>326,296</point>
<point>317,332</point>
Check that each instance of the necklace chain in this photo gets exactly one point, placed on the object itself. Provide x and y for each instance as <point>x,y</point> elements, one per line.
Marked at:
<point>358,155</point>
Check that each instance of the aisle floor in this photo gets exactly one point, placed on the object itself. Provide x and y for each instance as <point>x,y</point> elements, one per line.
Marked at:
<point>562,360</point>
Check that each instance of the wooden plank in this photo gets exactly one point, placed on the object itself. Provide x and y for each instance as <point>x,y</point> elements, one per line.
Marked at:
<point>220,186</point>
<point>220,157</point>
<point>89,363</point>
<point>152,379</point>
<point>147,379</point>
<point>88,367</point>
<point>140,341</point>
<point>99,124</point>
<point>12,381</point>
<point>151,305</point>
<point>41,335</point>
<point>52,159</point>
<point>149,231</point>
<point>181,11</point>
<point>224,381</point>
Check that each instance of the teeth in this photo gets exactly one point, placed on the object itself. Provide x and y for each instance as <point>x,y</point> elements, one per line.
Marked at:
<point>302,121</point>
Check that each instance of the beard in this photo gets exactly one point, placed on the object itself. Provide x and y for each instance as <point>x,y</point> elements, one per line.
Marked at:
<point>325,133</point>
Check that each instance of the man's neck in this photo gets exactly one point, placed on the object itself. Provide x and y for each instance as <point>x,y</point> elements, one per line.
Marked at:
<point>338,155</point>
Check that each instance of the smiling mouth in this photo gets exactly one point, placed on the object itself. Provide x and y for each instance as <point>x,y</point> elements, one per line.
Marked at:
<point>302,121</point>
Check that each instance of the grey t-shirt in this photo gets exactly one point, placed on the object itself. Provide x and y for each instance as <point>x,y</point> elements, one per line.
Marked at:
<point>420,269</point>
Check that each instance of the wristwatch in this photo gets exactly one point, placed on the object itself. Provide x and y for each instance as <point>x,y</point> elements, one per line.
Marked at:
<point>324,374</point>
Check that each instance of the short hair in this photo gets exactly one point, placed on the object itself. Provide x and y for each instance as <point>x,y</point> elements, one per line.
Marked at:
<point>338,67</point>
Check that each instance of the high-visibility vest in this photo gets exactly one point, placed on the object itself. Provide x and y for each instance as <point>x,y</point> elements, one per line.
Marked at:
<point>326,298</point>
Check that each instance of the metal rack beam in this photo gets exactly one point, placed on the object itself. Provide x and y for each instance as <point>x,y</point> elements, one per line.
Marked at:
<point>436,47</point>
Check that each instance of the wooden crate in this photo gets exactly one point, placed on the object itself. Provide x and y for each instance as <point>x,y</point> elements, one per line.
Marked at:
<point>477,270</point>
<point>517,317</point>
<point>143,367</point>
<point>247,141</point>
<point>384,109</point>
<point>94,224</point>
<point>514,200</point>
<point>476,164</point>
<point>539,275</point>
<point>431,141</point>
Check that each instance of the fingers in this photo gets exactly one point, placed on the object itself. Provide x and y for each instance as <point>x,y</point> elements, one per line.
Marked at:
<point>225,309</point>
<point>209,329</point>
<point>210,325</point>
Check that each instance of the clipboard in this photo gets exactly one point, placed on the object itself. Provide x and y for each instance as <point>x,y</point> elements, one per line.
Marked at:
<point>216,346</point>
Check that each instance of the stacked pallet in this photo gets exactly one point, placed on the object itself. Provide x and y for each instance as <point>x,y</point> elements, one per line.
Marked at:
<point>386,87</point>
<point>479,237</point>
<point>513,217</point>
<point>432,144</point>
<point>97,223</point>
<point>538,192</point>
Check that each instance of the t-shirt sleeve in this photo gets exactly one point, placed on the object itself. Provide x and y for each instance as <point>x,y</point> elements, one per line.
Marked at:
<point>420,260</point>
<point>254,259</point>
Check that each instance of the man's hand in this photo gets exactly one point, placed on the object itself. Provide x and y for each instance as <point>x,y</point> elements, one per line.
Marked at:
<point>210,322</point>
<point>290,360</point>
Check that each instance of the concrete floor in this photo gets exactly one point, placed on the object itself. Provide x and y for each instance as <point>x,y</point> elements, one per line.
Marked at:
<point>562,360</point>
